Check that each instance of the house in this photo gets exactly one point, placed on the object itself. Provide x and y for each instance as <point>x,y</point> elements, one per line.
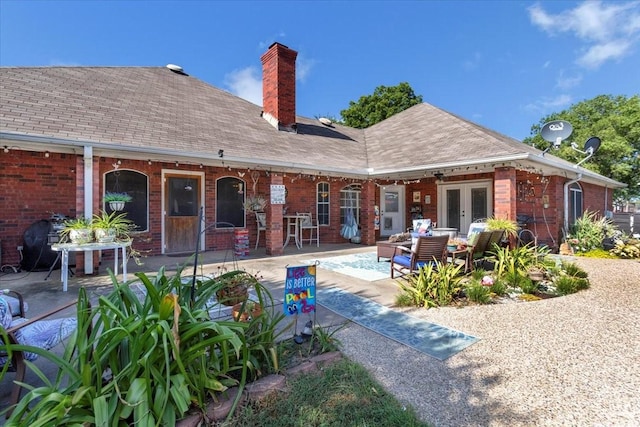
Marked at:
<point>179,145</point>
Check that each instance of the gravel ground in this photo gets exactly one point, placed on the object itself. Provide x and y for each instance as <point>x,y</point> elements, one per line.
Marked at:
<point>567,361</point>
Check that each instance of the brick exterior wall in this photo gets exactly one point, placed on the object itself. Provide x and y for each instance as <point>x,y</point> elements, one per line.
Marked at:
<point>504,193</point>
<point>33,186</point>
<point>279,83</point>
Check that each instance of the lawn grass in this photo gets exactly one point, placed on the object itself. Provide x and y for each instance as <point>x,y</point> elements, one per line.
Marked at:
<point>342,394</point>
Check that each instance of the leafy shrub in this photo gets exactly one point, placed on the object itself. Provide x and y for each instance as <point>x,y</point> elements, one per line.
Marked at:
<point>478,274</point>
<point>572,269</point>
<point>627,249</point>
<point>498,288</point>
<point>433,285</point>
<point>566,285</point>
<point>478,293</point>
<point>528,286</point>
<point>516,262</point>
<point>146,353</point>
<point>589,231</point>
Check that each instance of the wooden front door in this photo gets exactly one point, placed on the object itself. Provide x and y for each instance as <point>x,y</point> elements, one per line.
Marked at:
<point>182,201</point>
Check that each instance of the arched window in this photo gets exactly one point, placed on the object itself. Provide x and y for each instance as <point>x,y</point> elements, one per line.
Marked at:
<point>230,202</point>
<point>575,203</point>
<point>350,202</point>
<point>136,185</point>
<point>322,203</point>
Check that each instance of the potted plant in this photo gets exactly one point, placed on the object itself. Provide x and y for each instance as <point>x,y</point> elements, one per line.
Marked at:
<point>535,273</point>
<point>509,226</point>
<point>255,203</point>
<point>78,230</point>
<point>233,287</point>
<point>116,200</point>
<point>108,227</point>
<point>246,311</point>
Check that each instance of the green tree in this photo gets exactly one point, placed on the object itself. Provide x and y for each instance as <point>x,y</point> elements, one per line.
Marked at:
<point>385,102</point>
<point>616,121</point>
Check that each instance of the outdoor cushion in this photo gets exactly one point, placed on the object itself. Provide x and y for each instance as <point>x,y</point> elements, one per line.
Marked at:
<point>405,261</point>
<point>14,304</point>
<point>43,333</point>
<point>5,314</point>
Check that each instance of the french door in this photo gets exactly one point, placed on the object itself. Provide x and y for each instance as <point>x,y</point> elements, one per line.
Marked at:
<point>460,204</point>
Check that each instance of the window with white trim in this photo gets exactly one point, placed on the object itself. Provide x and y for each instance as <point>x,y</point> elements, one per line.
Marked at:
<point>322,203</point>
<point>350,202</point>
<point>575,203</point>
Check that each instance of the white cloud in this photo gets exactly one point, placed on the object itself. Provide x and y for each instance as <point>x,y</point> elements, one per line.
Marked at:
<point>567,82</point>
<point>303,67</point>
<point>608,30</point>
<point>546,104</point>
<point>245,83</point>
<point>600,53</point>
<point>546,64</point>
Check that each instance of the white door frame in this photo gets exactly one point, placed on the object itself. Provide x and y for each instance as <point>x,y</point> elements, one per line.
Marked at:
<point>465,188</point>
<point>396,219</point>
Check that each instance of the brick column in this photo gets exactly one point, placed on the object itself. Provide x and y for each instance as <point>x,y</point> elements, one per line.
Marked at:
<point>367,214</point>
<point>504,193</point>
<point>274,233</point>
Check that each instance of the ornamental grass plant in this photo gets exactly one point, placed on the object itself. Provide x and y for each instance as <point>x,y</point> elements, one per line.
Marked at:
<point>149,352</point>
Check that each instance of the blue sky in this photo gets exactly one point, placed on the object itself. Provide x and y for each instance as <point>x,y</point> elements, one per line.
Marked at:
<point>502,64</point>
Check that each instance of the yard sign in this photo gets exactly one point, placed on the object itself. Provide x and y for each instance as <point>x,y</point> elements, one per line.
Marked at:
<point>300,290</point>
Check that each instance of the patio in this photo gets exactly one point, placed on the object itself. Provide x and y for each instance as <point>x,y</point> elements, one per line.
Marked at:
<point>535,364</point>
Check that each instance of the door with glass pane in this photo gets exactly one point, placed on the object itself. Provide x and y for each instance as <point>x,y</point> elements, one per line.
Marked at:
<point>392,210</point>
<point>463,204</point>
<point>182,201</point>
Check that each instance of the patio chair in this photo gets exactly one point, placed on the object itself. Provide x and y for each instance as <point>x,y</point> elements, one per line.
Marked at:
<point>488,260</point>
<point>307,223</point>
<point>427,250</point>
<point>35,332</point>
<point>478,248</point>
<point>261,224</point>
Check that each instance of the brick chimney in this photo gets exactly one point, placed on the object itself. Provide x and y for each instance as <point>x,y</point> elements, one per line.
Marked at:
<point>279,87</point>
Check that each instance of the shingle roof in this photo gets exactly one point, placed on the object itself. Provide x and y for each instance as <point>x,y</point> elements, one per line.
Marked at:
<point>426,134</point>
<point>153,109</point>
<point>156,108</point>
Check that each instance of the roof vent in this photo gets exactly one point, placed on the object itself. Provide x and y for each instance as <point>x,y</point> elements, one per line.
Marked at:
<point>176,69</point>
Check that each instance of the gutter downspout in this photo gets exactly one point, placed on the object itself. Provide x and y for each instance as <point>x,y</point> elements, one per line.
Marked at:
<point>88,199</point>
<point>566,202</point>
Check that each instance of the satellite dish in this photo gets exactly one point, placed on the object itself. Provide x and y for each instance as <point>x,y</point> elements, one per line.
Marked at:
<point>592,145</point>
<point>325,121</point>
<point>556,131</point>
<point>590,148</point>
<point>174,67</point>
